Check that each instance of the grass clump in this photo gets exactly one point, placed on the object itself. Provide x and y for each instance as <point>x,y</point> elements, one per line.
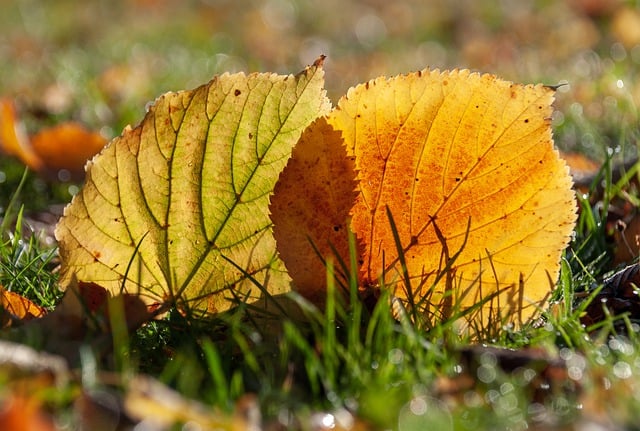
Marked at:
<point>26,263</point>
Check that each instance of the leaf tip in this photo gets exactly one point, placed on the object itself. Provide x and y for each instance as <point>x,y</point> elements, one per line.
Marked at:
<point>316,66</point>
<point>555,87</point>
<point>320,61</point>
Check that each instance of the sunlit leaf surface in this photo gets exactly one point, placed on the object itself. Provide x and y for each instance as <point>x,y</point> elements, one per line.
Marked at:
<point>177,206</point>
<point>464,163</point>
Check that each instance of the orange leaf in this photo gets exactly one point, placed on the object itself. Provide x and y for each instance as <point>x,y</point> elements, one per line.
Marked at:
<point>580,166</point>
<point>320,171</point>
<point>465,164</point>
<point>13,137</point>
<point>21,413</point>
<point>465,167</point>
<point>67,146</point>
<point>16,307</point>
<point>29,377</point>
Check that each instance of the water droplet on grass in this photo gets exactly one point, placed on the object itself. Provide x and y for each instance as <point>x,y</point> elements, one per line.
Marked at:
<point>396,356</point>
<point>486,373</point>
<point>622,370</point>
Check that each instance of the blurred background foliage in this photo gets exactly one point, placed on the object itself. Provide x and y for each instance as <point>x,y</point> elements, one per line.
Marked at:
<point>101,62</point>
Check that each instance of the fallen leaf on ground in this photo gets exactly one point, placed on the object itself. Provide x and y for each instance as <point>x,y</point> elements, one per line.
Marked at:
<point>23,413</point>
<point>84,315</point>
<point>14,140</point>
<point>462,168</point>
<point>27,377</point>
<point>176,209</point>
<point>59,152</point>
<point>98,409</point>
<point>626,26</point>
<point>547,373</point>
<point>64,150</point>
<point>16,308</point>
<point>17,360</point>
<point>626,237</point>
<point>581,168</point>
<point>542,377</point>
<point>160,407</point>
<point>619,295</point>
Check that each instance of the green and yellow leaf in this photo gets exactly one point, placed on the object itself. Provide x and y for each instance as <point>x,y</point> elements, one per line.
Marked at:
<point>177,207</point>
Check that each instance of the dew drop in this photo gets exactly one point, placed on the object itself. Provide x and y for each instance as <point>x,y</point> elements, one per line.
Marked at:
<point>622,370</point>
<point>486,373</point>
<point>396,356</point>
<point>418,406</point>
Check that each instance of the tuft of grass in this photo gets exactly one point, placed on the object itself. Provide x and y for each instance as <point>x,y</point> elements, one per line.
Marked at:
<point>26,265</point>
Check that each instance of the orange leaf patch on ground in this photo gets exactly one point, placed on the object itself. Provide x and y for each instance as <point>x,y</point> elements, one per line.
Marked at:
<point>15,307</point>
<point>58,152</point>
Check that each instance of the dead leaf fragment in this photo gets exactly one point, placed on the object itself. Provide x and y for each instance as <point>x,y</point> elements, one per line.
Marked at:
<point>160,407</point>
<point>66,147</point>
<point>626,26</point>
<point>100,410</point>
<point>14,140</point>
<point>85,313</point>
<point>59,152</point>
<point>16,308</point>
<point>582,169</point>
<point>27,375</point>
<point>23,413</point>
<point>19,360</point>
<point>619,295</point>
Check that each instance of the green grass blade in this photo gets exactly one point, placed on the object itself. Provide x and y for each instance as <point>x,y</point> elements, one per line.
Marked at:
<point>8,217</point>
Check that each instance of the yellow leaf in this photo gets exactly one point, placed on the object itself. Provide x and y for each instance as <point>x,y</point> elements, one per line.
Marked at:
<point>176,209</point>
<point>464,163</point>
<point>149,400</point>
